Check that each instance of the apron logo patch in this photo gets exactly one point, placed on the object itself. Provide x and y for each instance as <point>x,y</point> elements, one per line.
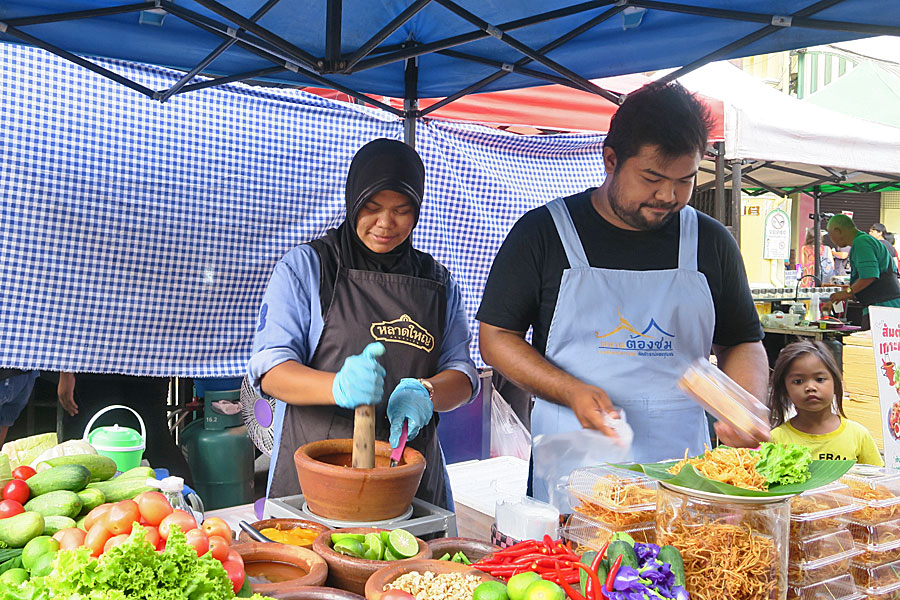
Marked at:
<point>403,331</point>
<point>627,340</point>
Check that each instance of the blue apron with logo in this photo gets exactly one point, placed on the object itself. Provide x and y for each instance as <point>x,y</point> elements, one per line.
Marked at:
<point>631,333</point>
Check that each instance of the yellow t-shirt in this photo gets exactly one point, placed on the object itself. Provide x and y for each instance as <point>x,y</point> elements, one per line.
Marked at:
<point>850,441</point>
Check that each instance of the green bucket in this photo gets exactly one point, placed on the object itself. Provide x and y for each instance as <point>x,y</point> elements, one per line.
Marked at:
<point>122,444</point>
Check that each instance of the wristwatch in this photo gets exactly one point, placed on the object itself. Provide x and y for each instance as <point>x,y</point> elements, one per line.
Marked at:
<point>427,385</point>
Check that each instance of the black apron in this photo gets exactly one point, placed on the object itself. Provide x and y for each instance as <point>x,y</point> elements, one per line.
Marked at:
<point>885,288</point>
<point>407,314</point>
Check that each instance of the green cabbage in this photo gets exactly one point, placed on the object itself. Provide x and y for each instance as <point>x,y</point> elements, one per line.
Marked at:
<point>25,450</point>
<point>782,464</point>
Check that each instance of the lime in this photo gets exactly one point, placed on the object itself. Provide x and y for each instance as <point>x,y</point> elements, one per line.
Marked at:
<point>384,536</point>
<point>544,590</point>
<point>43,565</point>
<point>374,549</point>
<point>517,584</point>
<point>350,547</point>
<point>337,537</point>
<point>14,577</point>
<point>33,550</point>
<point>403,543</point>
<point>490,590</point>
<point>389,554</point>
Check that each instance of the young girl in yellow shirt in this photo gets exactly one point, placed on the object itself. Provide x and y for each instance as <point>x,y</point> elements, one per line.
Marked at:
<point>807,377</point>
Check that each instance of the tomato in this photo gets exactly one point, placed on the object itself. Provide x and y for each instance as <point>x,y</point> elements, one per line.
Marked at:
<point>154,507</point>
<point>120,518</point>
<point>23,472</point>
<point>198,539</point>
<point>235,571</point>
<point>397,595</point>
<point>10,508</point>
<point>16,490</point>
<point>70,538</point>
<point>178,517</point>
<point>151,534</point>
<point>217,526</point>
<point>114,541</point>
<point>96,516</point>
<point>96,538</point>
<point>218,547</point>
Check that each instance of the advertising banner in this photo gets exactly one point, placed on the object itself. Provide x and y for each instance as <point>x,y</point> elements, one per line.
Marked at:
<point>886,348</point>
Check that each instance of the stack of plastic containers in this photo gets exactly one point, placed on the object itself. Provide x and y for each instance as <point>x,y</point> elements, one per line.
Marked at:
<point>606,500</point>
<point>821,545</point>
<point>875,527</point>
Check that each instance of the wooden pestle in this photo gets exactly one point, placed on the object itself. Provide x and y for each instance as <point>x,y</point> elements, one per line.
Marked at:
<point>364,437</point>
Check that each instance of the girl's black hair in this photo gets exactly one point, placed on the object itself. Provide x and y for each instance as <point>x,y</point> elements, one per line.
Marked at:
<point>779,402</point>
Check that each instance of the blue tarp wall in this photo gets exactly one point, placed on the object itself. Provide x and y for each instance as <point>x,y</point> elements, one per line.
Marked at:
<point>138,237</point>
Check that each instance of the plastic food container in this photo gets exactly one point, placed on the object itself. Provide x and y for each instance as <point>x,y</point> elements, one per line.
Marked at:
<point>877,492</point>
<point>802,574</point>
<point>821,510</point>
<point>839,588</point>
<point>721,535</point>
<point>823,547</point>
<point>879,534</point>
<point>592,534</point>
<point>876,577</point>
<point>873,556</point>
<point>616,489</point>
<point>720,395</point>
<point>891,592</point>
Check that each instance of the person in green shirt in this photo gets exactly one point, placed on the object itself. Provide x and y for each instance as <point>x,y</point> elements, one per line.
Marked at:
<point>873,278</point>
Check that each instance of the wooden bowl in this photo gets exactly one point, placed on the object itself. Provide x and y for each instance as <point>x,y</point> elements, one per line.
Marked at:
<point>283,525</point>
<point>382,577</point>
<point>334,490</point>
<point>313,565</point>
<point>349,573</point>
<point>474,550</point>
<point>314,593</point>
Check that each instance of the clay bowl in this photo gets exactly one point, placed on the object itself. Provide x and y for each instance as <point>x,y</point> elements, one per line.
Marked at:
<point>349,573</point>
<point>283,525</point>
<point>314,593</point>
<point>474,550</point>
<point>382,577</point>
<point>334,490</point>
<point>314,568</point>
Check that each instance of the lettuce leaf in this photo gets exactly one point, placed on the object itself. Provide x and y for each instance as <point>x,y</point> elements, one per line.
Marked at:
<point>783,464</point>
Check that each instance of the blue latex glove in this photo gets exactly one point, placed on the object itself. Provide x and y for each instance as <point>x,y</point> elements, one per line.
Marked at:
<point>409,401</point>
<point>361,379</point>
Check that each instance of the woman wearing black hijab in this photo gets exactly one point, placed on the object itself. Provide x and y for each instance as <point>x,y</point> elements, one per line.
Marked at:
<point>359,316</point>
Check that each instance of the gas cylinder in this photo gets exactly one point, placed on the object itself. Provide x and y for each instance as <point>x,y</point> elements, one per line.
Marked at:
<point>219,452</point>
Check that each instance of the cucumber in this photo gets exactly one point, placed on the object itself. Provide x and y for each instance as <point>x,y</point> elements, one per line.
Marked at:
<point>57,503</point>
<point>120,488</point>
<point>586,559</point>
<point>145,472</point>
<point>101,467</point>
<point>73,478</point>
<point>54,523</point>
<point>18,530</point>
<point>671,555</point>
<point>626,551</point>
<point>90,498</point>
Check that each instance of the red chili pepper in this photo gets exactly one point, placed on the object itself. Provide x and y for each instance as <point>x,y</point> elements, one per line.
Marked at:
<point>563,550</point>
<point>593,591</point>
<point>548,542</point>
<point>599,557</point>
<point>570,592</point>
<point>613,571</point>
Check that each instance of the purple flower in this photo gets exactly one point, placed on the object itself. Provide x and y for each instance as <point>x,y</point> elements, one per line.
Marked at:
<point>646,552</point>
<point>679,593</point>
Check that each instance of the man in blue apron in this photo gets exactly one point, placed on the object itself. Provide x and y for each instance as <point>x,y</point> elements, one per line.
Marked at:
<point>361,317</point>
<point>624,286</point>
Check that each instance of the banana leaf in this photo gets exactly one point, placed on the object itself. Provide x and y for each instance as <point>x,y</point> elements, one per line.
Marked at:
<point>822,472</point>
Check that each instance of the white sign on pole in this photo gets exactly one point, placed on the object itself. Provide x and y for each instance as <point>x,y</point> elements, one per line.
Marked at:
<point>777,244</point>
<point>886,347</point>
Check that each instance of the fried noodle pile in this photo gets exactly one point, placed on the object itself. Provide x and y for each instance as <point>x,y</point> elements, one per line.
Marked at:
<point>734,466</point>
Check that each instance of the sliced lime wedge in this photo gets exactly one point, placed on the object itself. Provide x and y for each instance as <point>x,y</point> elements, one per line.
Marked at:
<point>384,536</point>
<point>337,537</point>
<point>350,547</point>
<point>374,549</point>
<point>389,554</point>
<point>403,543</point>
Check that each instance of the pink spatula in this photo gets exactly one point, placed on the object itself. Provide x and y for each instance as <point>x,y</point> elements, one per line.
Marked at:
<point>397,452</point>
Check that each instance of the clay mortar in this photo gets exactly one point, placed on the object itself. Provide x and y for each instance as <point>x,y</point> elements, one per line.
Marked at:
<point>334,490</point>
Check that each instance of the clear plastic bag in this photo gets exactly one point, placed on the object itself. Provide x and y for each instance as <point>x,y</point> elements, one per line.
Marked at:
<point>508,436</point>
<point>557,455</point>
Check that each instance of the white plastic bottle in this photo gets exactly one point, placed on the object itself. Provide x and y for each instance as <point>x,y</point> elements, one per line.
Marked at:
<point>173,489</point>
<point>815,313</point>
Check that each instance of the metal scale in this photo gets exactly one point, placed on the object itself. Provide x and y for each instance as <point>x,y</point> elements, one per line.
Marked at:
<point>422,518</point>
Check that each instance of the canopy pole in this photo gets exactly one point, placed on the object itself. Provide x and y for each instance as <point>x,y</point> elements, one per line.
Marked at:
<point>719,205</point>
<point>817,231</point>
<point>736,185</point>
<point>411,101</point>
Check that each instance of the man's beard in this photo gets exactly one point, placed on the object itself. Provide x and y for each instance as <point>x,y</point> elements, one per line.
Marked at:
<point>635,218</point>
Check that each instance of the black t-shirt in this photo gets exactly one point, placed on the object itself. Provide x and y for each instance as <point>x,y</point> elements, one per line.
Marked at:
<point>523,285</point>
